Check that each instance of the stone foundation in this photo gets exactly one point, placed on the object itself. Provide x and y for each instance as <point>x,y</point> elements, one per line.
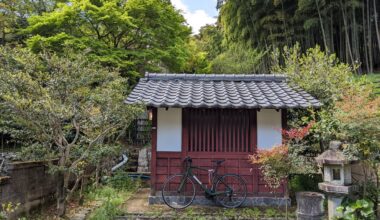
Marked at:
<point>249,201</point>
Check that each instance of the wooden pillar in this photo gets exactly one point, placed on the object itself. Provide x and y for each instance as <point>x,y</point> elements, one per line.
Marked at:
<point>153,162</point>
<point>185,133</point>
<point>284,125</point>
<point>253,147</point>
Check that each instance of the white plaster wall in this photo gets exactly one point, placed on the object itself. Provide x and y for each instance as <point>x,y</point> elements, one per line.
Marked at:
<point>169,129</point>
<point>268,128</point>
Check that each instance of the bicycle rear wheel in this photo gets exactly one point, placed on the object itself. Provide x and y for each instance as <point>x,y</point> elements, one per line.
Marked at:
<point>234,188</point>
<point>177,195</point>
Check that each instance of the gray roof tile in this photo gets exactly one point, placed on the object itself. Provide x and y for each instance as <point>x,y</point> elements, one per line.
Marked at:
<point>219,91</point>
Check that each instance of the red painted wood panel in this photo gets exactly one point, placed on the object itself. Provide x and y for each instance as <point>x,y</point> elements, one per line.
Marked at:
<point>210,134</point>
<point>218,130</point>
<point>238,163</point>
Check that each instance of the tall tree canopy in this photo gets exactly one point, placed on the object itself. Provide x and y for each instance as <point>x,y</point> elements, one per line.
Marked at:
<point>348,28</point>
<point>134,35</point>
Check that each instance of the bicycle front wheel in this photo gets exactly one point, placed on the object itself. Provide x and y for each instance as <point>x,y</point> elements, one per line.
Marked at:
<point>232,191</point>
<point>178,191</point>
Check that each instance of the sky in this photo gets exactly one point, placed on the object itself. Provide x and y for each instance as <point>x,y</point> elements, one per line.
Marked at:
<point>197,12</point>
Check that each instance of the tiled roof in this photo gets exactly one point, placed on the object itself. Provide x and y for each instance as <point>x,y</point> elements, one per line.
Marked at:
<point>219,91</point>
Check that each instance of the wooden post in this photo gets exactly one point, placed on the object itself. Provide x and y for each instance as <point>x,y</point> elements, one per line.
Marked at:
<point>153,163</point>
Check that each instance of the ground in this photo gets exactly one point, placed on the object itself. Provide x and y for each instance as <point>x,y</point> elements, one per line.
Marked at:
<point>137,207</point>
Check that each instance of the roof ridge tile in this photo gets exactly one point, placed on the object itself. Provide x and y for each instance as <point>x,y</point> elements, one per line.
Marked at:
<point>215,77</point>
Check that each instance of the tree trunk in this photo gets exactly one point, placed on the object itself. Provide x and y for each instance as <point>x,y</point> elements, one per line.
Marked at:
<point>377,175</point>
<point>369,42</point>
<point>376,24</point>
<point>61,196</point>
<point>332,47</point>
<point>97,175</point>
<point>3,37</point>
<point>365,39</point>
<point>348,44</point>
<point>322,28</point>
<point>355,40</point>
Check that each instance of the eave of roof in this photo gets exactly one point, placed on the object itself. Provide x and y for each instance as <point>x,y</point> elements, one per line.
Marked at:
<point>219,91</point>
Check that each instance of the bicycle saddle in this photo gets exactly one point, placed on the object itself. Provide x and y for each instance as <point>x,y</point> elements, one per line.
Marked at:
<point>218,162</point>
<point>188,159</point>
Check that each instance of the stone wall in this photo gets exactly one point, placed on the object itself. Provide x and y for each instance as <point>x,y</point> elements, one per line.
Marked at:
<point>27,183</point>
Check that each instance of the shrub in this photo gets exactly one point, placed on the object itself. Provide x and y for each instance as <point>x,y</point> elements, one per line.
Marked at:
<point>356,210</point>
<point>304,182</point>
<point>121,181</point>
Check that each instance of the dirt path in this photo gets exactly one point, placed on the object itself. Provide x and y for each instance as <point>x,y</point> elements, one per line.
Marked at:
<point>138,203</point>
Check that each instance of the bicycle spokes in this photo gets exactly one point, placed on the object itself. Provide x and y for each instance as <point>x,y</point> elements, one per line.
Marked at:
<point>233,190</point>
<point>178,191</point>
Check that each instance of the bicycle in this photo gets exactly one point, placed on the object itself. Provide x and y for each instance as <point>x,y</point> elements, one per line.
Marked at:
<point>229,190</point>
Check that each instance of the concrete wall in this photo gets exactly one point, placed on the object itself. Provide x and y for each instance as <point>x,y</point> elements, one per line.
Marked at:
<point>29,184</point>
<point>269,127</point>
<point>169,129</point>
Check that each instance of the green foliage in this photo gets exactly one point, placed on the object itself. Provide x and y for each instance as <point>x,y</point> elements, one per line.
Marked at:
<point>7,209</point>
<point>35,152</point>
<point>68,105</point>
<point>271,212</point>
<point>254,213</point>
<point>260,23</point>
<point>134,36</point>
<point>190,213</point>
<point>14,14</point>
<point>121,181</point>
<point>304,182</point>
<point>238,59</point>
<point>197,61</point>
<point>230,213</point>
<point>350,111</point>
<point>270,24</point>
<point>375,79</point>
<point>356,210</point>
<point>111,198</point>
<point>316,72</point>
<point>108,210</point>
<point>210,39</point>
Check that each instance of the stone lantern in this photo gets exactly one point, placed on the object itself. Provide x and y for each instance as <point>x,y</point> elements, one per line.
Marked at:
<point>337,176</point>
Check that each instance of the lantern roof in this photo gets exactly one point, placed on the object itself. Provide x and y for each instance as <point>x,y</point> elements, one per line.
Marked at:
<point>334,156</point>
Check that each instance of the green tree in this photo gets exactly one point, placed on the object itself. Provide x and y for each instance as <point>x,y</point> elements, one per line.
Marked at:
<point>359,115</point>
<point>210,40</point>
<point>197,61</point>
<point>238,59</point>
<point>14,14</point>
<point>70,107</point>
<point>315,71</point>
<point>134,36</point>
<point>347,28</point>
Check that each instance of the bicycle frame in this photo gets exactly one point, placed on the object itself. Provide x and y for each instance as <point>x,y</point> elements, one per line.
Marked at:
<point>215,178</point>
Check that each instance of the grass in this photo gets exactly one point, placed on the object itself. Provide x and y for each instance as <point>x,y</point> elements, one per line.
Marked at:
<point>117,190</point>
<point>374,78</point>
<point>110,199</point>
